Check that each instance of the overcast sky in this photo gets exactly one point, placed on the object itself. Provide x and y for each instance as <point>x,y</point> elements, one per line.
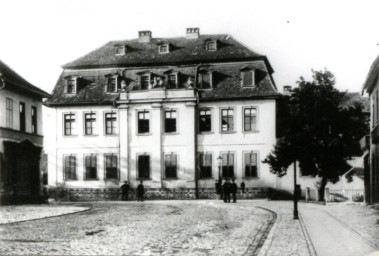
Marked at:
<point>37,37</point>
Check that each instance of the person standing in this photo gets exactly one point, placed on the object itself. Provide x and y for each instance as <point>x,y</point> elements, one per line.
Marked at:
<point>226,188</point>
<point>125,191</point>
<point>243,187</point>
<point>217,187</point>
<point>234,191</point>
<point>140,191</point>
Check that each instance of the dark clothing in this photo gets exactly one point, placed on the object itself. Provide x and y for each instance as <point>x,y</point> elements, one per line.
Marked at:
<point>140,192</point>
<point>234,192</point>
<point>125,191</point>
<point>217,186</point>
<point>227,190</point>
<point>243,187</point>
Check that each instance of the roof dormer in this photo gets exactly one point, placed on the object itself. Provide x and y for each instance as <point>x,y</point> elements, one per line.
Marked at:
<point>211,45</point>
<point>71,84</point>
<point>120,49</point>
<point>164,48</point>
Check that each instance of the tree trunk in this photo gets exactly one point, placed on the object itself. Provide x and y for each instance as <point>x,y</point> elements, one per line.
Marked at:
<point>321,190</point>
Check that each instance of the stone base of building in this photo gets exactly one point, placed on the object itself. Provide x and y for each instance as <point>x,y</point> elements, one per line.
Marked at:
<point>88,194</point>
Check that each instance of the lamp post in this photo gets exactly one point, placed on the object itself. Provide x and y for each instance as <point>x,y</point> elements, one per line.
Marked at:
<point>295,190</point>
<point>219,163</point>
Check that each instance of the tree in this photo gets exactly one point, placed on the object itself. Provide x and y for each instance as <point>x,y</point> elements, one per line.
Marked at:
<point>315,130</point>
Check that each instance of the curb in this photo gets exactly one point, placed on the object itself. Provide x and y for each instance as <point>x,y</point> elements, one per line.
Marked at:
<point>47,217</point>
<point>311,248</point>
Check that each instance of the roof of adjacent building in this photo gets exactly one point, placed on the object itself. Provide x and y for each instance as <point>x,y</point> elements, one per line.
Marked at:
<point>186,56</point>
<point>372,76</point>
<point>182,50</point>
<point>15,81</point>
<point>352,98</point>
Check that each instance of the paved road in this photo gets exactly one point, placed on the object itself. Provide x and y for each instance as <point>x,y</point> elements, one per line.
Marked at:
<point>149,228</point>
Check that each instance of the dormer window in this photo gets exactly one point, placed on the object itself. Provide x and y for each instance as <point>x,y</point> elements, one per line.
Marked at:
<point>71,85</point>
<point>120,50</point>
<point>164,48</point>
<point>113,84</point>
<point>211,45</point>
<point>145,82</point>
<point>248,77</point>
<point>205,80</point>
<point>173,81</point>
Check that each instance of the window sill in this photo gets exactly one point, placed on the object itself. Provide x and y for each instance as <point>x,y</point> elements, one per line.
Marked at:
<point>71,180</point>
<point>144,134</point>
<point>112,135</point>
<point>251,131</point>
<point>208,178</point>
<point>205,133</point>
<point>250,178</point>
<point>143,178</point>
<point>171,133</point>
<point>111,179</point>
<point>248,86</point>
<point>228,178</point>
<point>228,132</point>
<point>90,135</point>
<point>91,179</point>
<point>70,136</point>
<point>170,178</point>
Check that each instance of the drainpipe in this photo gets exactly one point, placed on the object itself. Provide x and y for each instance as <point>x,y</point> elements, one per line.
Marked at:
<point>196,132</point>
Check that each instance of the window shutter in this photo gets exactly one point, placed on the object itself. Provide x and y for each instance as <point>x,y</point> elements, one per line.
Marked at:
<point>247,159</point>
<point>254,158</point>
<point>231,160</point>
<point>208,160</point>
<point>224,159</point>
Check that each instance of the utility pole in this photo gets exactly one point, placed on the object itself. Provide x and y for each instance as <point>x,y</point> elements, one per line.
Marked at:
<point>295,212</point>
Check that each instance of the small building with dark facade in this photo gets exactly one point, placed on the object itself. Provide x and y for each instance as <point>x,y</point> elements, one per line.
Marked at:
<point>21,138</point>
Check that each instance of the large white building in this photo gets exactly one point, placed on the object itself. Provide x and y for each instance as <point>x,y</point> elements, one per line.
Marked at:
<point>165,111</point>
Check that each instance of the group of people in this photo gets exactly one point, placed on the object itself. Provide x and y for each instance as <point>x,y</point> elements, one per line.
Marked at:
<point>224,190</point>
<point>125,191</point>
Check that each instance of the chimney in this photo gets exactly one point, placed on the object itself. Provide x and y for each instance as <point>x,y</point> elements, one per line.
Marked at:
<point>192,33</point>
<point>287,90</point>
<point>144,36</point>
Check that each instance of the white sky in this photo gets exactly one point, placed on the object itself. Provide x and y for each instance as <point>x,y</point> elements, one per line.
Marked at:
<point>38,36</point>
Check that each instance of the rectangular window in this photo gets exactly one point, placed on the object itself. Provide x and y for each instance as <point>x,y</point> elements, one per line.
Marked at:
<point>143,166</point>
<point>227,120</point>
<point>90,123</point>
<point>228,165</point>
<point>211,46</point>
<point>143,122</point>
<point>205,120</point>
<point>170,121</point>
<point>205,163</point>
<point>70,167</point>
<point>111,163</point>
<point>9,113</point>
<point>205,81</point>
<point>22,116</point>
<point>112,84</point>
<point>110,123</point>
<point>249,119</point>
<point>163,48</point>
<point>69,124</point>
<point>248,78</point>
<point>34,120</point>
<point>91,167</point>
<point>251,163</point>
<point>145,81</point>
<point>170,162</point>
<point>172,83</point>
<point>120,50</point>
<point>71,86</point>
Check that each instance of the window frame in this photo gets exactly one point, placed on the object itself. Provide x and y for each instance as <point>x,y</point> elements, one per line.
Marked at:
<point>143,111</point>
<point>256,128</point>
<point>250,71</point>
<point>9,112</point>
<point>199,116</point>
<point>122,47</point>
<point>202,158</point>
<point>233,122</point>
<point>214,45</point>
<point>166,45</point>
<point>34,120</point>
<point>176,167</point>
<point>22,116</point>
<point>234,164</point>
<point>117,166</point>
<point>137,166</point>
<point>117,84</point>
<point>201,80</point>
<point>176,121</point>
<point>113,128</point>
<point>256,152</point>
<point>93,121</point>
<point>148,81</point>
<point>85,166</point>
<point>64,167</point>
<point>74,90</point>
<point>73,130</point>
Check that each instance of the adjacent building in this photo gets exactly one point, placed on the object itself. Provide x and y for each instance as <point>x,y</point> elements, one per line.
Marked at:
<point>21,138</point>
<point>370,144</point>
<point>175,113</point>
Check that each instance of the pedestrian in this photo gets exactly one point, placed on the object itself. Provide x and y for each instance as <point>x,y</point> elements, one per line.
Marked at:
<point>140,191</point>
<point>125,191</point>
<point>217,187</point>
<point>234,191</point>
<point>221,196</point>
<point>227,188</point>
<point>243,187</point>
